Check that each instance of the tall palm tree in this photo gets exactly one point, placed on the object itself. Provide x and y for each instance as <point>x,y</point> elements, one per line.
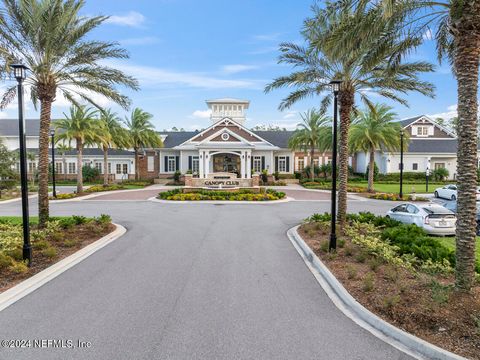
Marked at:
<point>314,132</point>
<point>54,41</point>
<point>141,133</point>
<point>81,126</point>
<point>373,130</point>
<point>374,63</point>
<point>456,27</point>
<point>62,150</point>
<point>111,135</point>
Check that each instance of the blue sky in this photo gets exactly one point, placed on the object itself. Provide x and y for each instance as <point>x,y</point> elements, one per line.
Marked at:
<point>186,51</point>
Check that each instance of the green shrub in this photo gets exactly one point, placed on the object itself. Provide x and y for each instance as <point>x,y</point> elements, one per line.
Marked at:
<point>440,293</point>
<point>374,263</point>
<point>375,171</point>
<point>63,196</point>
<point>351,271</point>
<point>368,282</point>
<point>79,219</point>
<point>411,239</point>
<point>204,194</point>
<point>391,301</point>
<point>440,174</point>
<point>100,188</point>
<point>5,261</point>
<point>324,246</point>
<point>40,245</point>
<point>50,252</point>
<point>90,173</point>
<point>19,267</point>
<point>70,243</point>
<point>104,219</point>
<point>176,176</point>
<point>67,223</point>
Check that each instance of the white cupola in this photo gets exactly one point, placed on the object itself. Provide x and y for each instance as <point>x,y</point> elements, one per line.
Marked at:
<point>228,107</point>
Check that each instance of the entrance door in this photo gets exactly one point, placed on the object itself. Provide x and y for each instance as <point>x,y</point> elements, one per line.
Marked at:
<point>121,171</point>
<point>226,163</point>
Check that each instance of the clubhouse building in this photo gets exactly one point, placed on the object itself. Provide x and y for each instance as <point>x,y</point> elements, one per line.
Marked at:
<point>227,150</point>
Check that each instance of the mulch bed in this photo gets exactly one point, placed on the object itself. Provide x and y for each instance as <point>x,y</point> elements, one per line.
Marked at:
<point>421,304</point>
<point>82,235</point>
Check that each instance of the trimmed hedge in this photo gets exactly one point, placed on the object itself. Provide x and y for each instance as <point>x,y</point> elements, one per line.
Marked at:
<point>205,195</point>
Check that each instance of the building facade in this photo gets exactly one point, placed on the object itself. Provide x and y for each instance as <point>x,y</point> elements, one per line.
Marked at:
<point>431,147</point>
<point>226,145</point>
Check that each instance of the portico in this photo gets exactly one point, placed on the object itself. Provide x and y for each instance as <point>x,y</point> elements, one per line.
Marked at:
<point>238,161</point>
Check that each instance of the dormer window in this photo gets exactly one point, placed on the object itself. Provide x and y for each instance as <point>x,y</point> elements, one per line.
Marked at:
<point>422,130</point>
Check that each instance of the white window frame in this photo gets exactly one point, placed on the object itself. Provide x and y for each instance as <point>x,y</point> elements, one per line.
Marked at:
<point>150,163</point>
<point>124,168</point>
<point>300,164</point>
<point>99,166</point>
<point>118,169</point>
<point>422,130</point>
<point>257,164</point>
<point>72,167</point>
<point>195,164</point>
<point>282,164</point>
<point>171,163</point>
<point>58,167</point>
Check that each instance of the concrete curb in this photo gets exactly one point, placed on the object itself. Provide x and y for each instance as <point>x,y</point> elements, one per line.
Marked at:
<point>287,199</point>
<point>17,199</point>
<point>403,341</point>
<point>29,285</point>
<point>95,194</point>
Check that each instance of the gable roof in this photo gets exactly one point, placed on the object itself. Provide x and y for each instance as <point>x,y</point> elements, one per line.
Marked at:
<point>406,122</point>
<point>9,127</point>
<point>175,138</point>
<point>277,138</point>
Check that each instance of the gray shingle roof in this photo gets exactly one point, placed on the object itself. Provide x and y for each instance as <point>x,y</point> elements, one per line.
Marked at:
<point>277,138</point>
<point>433,146</point>
<point>88,152</point>
<point>9,127</point>
<point>406,122</point>
<point>175,138</point>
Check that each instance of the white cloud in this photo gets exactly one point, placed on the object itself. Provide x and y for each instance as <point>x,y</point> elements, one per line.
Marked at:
<point>132,19</point>
<point>147,40</point>
<point>428,35</point>
<point>447,115</point>
<point>264,50</point>
<point>202,114</point>
<point>236,68</point>
<point>153,76</point>
<point>266,37</point>
<point>290,114</point>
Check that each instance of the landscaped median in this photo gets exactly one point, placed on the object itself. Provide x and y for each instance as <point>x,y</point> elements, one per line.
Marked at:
<point>193,194</point>
<point>130,185</point>
<point>403,276</point>
<point>62,237</point>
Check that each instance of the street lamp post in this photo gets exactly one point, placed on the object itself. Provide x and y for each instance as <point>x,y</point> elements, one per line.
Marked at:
<point>335,84</point>
<point>402,133</point>
<point>20,73</point>
<point>52,134</point>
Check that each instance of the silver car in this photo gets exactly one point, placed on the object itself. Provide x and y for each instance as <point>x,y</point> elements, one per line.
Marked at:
<point>433,218</point>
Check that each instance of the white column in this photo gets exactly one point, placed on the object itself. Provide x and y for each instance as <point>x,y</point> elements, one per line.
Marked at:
<point>201,160</point>
<point>249,159</point>
<point>207,162</point>
<point>272,163</point>
<point>242,164</point>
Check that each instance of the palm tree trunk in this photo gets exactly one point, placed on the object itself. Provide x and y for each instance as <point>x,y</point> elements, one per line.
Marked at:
<point>79,166</point>
<point>64,160</point>
<point>467,58</point>
<point>371,170</point>
<point>44,136</point>
<point>312,170</point>
<point>105,166</point>
<point>346,99</point>
<point>136,163</point>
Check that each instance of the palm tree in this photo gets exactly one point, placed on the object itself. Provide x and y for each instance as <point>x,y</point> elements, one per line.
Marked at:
<point>81,126</point>
<point>456,27</point>
<point>141,133</point>
<point>375,130</point>
<point>313,133</point>
<point>374,63</point>
<point>62,150</point>
<point>54,41</point>
<point>112,135</point>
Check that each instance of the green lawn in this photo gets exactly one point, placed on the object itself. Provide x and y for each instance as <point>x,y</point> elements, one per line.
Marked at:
<point>395,188</point>
<point>33,219</point>
<point>450,243</point>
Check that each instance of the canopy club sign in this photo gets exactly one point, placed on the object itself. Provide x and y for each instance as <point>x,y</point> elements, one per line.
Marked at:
<point>221,180</point>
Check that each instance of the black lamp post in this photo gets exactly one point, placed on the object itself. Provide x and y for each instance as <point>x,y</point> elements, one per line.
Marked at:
<point>427,174</point>
<point>335,84</point>
<point>20,74</point>
<point>52,134</point>
<point>402,133</point>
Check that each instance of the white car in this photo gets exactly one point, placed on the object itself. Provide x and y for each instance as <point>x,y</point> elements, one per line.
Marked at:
<point>450,192</point>
<point>433,218</point>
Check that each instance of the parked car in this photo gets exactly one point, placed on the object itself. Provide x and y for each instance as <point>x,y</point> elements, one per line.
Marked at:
<point>452,206</point>
<point>450,192</point>
<point>433,218</point>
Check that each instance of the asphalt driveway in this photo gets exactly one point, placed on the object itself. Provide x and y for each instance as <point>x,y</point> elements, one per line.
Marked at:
<point>191,281</point>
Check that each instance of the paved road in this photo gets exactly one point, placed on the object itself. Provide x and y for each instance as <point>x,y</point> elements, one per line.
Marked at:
<point>191,281</point>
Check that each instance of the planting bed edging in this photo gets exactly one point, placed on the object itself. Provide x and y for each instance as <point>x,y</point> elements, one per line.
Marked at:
<point>390,334</point>
<point>29,285</point>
